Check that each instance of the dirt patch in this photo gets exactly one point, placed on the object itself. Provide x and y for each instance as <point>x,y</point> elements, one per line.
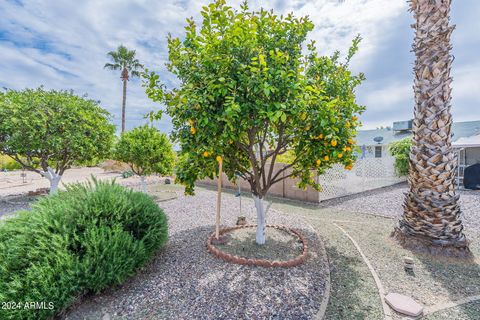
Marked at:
<point>279,245</point>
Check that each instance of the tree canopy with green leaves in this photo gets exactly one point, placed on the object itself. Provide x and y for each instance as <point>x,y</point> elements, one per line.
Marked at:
<point>48,131</point>
<point>146,151</point>
<point>248,94</point>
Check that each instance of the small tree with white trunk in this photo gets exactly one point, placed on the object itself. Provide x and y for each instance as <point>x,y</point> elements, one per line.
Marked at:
<point>146,151</point>
<point>248,93</point>
<point>49,131</point>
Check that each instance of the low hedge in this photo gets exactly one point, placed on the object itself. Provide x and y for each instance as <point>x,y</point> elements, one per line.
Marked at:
<point>81,240</point>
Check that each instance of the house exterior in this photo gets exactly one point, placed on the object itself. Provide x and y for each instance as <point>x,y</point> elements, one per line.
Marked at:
<point>465,141</point>
<point>468,153</point>
<point>374,143</point>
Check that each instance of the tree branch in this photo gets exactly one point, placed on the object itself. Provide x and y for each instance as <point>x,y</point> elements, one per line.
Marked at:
<point>29,167</point>
<point>253,161</point>
<point>282,178</point>
<point>275,153</point>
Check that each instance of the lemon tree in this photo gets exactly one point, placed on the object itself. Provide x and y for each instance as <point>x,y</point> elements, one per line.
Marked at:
<point>250,90</point>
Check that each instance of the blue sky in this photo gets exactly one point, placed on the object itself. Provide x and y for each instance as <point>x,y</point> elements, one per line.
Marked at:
<point>63,44</point>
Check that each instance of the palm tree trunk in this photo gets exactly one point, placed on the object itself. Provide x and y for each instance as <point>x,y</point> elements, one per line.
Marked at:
<point>431,217</point>
<point>124,102</point>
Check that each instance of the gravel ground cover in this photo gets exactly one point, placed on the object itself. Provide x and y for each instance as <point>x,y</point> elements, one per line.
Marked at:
<point>184,281</point>
<point>9,205</point>
<point>171,287</point>
<point>433,281</point>
<point>468,311</point>
<point>279,245</point>
<point>388,202</point>
<point>164,192</point>
<point>11,183</point>
<point>12,197</point>
<point>353,292</point>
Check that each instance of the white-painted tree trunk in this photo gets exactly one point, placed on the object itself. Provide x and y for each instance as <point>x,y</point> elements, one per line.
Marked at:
<point>54,184</point>
<point>261,224</point>
<point>53,178</point>
<point>144,184</point>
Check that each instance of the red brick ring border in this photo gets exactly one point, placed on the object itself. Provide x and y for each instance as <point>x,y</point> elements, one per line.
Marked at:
<point>259,262</point>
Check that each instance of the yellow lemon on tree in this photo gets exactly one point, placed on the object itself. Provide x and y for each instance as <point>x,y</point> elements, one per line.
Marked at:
<point>303,116</point>
<point>318,162</point>
<point>193,130</point>
<point>206,154</point>
<point>350,141</point>
<point>218,158</point>
<point>334,143</point>
<point>326,158</point>
<point>348,149</point>
<point>354,118</point>
<point>349,167</point>
<point>340,155</point>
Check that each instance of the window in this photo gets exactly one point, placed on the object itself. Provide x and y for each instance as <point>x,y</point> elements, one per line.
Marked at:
<point>378,151</point>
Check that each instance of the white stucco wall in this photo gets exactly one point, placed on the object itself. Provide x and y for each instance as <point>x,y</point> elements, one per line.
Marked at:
<point>370,151</point>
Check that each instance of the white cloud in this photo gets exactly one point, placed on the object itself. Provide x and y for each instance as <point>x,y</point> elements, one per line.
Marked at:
<point>63,44</point>
<point>466,82</point>
<point>391,94</point>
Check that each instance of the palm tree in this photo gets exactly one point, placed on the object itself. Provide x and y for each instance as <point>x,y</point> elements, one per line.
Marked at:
<point>124,60</point>
<point>431,218</point>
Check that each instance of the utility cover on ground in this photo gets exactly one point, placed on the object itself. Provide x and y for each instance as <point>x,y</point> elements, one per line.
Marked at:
<point>404,304</point>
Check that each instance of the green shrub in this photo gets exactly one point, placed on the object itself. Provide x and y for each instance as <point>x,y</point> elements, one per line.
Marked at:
<point>7,163</point>
<point>401,151</point>
<point>146,150</point>
<point>80,240</point>
<point>286,158</point>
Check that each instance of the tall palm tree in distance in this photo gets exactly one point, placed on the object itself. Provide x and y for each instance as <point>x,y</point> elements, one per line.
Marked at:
<point>431,219</point>
<point>124,60</point>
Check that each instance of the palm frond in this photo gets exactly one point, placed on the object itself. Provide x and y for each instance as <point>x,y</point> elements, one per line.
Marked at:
<point>124,58</point>
<point>112,66</point>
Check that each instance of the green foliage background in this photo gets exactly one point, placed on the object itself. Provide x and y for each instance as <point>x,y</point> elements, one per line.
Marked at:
<point>401,151</point>
<point>78,241</point>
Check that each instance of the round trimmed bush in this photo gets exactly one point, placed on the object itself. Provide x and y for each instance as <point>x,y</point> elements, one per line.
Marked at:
<point>81,240</point>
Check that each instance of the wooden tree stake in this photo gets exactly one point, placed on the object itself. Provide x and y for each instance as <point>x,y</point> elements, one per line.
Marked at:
<point>219,197</point>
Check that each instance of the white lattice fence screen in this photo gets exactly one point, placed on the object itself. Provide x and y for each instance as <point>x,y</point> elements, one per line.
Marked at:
<point>367,174</point>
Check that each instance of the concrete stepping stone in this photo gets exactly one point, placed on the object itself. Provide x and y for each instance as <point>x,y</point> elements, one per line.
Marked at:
<point>403,304</point>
